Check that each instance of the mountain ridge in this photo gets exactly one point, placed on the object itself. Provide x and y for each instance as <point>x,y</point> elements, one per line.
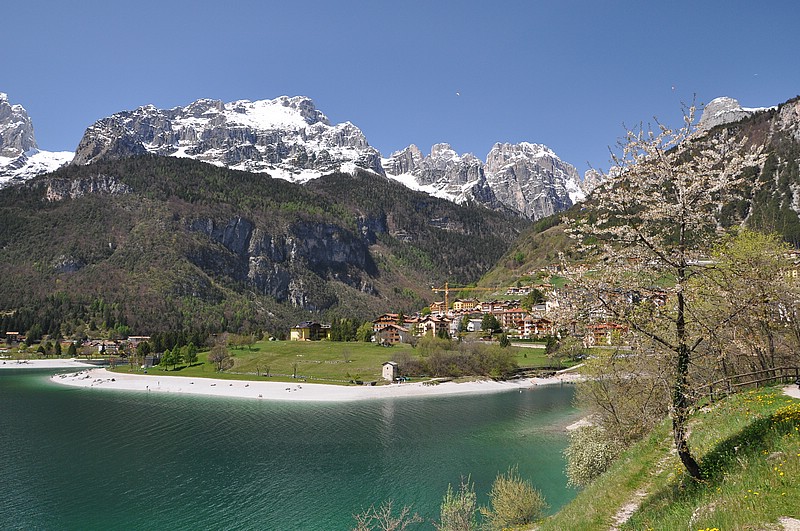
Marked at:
<point>290,138</point>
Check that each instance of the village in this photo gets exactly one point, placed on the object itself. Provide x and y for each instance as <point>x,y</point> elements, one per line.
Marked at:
<point>529,319</point>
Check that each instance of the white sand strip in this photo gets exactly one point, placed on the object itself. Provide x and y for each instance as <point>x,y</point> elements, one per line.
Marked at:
<point>103,379</point>
<point>42,364</point>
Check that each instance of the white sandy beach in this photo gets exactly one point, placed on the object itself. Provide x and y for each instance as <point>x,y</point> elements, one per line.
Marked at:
<point>42,364</point>
<point>103,379</point>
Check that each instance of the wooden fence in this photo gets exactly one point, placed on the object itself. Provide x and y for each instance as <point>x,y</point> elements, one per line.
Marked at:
<point>731,384</point>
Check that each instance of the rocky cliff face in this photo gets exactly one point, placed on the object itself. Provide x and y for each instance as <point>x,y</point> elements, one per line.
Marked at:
<point>273,264</point>
<point>532,180</point>
<point>20,157</point>
<point>286,137</point>
<point>16,129</point>
<point>58,189</point>
<point>527,178</point>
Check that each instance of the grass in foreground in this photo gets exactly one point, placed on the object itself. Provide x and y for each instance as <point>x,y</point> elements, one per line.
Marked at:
<point>749,446</point>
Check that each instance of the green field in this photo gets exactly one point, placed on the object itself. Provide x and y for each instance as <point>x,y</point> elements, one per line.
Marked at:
<point>324,361</point>
<point>328,361</point>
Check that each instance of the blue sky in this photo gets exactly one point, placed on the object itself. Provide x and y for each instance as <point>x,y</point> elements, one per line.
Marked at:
<point>563,73</point>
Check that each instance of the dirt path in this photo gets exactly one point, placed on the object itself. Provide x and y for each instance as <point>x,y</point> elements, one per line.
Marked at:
<point>792,390</point>
<point>641,493</point>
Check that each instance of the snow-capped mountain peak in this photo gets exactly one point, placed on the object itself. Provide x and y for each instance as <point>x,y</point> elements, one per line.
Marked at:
<point>20,157</point>
<point>287,137</point>
<point>724,110</point>
<point>528,178</point>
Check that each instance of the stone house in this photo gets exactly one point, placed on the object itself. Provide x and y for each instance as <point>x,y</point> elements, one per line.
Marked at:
<point>390,371</point>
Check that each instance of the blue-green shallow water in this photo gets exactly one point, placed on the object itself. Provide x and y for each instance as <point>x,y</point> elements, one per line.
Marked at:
<point>88,459</point>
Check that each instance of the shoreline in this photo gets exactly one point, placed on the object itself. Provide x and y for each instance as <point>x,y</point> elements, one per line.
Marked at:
<point>302,392</point>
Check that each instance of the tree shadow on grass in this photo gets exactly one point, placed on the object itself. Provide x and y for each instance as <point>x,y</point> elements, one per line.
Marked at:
<point>728,455</point>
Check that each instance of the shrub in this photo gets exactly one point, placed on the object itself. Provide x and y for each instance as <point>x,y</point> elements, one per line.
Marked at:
<point>383,518</point>
<point>513,502</point>
<point>590,453</point>
<point>458,509</point>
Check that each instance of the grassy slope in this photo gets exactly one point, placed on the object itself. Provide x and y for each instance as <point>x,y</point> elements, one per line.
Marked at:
<point>537,248</point>
<point>752,457</point>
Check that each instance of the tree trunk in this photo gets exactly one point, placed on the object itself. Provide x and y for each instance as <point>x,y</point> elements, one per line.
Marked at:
<point>680,405</point>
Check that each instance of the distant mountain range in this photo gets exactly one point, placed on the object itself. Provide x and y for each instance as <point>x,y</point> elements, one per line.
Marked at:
<point>133,230</point>
<point>291,139</point>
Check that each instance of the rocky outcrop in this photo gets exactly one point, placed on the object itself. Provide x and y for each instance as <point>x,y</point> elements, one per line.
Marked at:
<point>788,118</point>
<point>721,111</point>
<point>591,180</point>
<point>58,189</point>
<point>16,129</point>
<point>531,179</point>
<point>286,137</point>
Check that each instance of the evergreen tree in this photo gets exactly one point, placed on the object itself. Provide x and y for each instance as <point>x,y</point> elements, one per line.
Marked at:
<point>167,359</point>
<point>191,354</point>
<point>489,323</point>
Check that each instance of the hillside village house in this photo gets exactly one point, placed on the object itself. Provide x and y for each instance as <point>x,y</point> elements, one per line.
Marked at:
<point>511,318</point>
<point>392,334</point>
<point>464,305</point>
<point>432,324</point>
<point>309,331</point>
<point>474,325</point>
<point>392,319</point>
<point>133,341</point>
<point>533,327</point>
<point>438,307</point>
<point>605,333</point>
<point>522,290</point>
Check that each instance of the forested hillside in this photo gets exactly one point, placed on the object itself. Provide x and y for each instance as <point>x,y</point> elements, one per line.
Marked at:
<point>151,243</point>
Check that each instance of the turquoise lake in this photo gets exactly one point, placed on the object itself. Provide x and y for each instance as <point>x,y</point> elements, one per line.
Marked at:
<point>92,459</point>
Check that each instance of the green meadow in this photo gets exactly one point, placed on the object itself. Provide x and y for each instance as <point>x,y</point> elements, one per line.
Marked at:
<point>324,361</point>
